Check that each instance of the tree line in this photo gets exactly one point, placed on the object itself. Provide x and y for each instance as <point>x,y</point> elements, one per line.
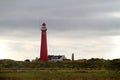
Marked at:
<point>87,64</point>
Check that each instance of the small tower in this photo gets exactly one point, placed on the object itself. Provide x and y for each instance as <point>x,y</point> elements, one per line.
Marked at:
<point>72,56</point>
<point>43,50</point>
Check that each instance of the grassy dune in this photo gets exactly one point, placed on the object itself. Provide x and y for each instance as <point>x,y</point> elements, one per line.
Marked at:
<point>91,69</point>
<point>59,75</point>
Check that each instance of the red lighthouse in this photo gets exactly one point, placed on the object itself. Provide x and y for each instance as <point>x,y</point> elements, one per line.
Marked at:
<point>43,50</point>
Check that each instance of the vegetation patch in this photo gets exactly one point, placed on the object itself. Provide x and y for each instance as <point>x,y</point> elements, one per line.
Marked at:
<point>60,75</point>
<point>91,69</point>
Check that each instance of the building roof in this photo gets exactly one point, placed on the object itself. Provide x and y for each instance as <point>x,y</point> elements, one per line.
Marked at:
<point>55,57</point>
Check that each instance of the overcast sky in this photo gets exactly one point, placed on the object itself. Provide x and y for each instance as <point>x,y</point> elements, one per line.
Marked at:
<point>87,28</point>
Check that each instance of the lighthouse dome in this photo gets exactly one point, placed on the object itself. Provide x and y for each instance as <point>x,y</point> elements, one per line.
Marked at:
<point>43,24</point>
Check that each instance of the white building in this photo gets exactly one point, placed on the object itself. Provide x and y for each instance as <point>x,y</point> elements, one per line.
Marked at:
<point>56,58</point>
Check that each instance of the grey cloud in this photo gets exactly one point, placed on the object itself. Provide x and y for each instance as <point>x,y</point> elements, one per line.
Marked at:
<point>25,16</point>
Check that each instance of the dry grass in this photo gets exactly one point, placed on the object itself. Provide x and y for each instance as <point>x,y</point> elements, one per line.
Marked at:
<point>59,75</point>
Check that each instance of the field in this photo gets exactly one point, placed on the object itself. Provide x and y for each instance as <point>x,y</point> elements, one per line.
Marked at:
<point>91,69</point>
<point>55,74</point>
